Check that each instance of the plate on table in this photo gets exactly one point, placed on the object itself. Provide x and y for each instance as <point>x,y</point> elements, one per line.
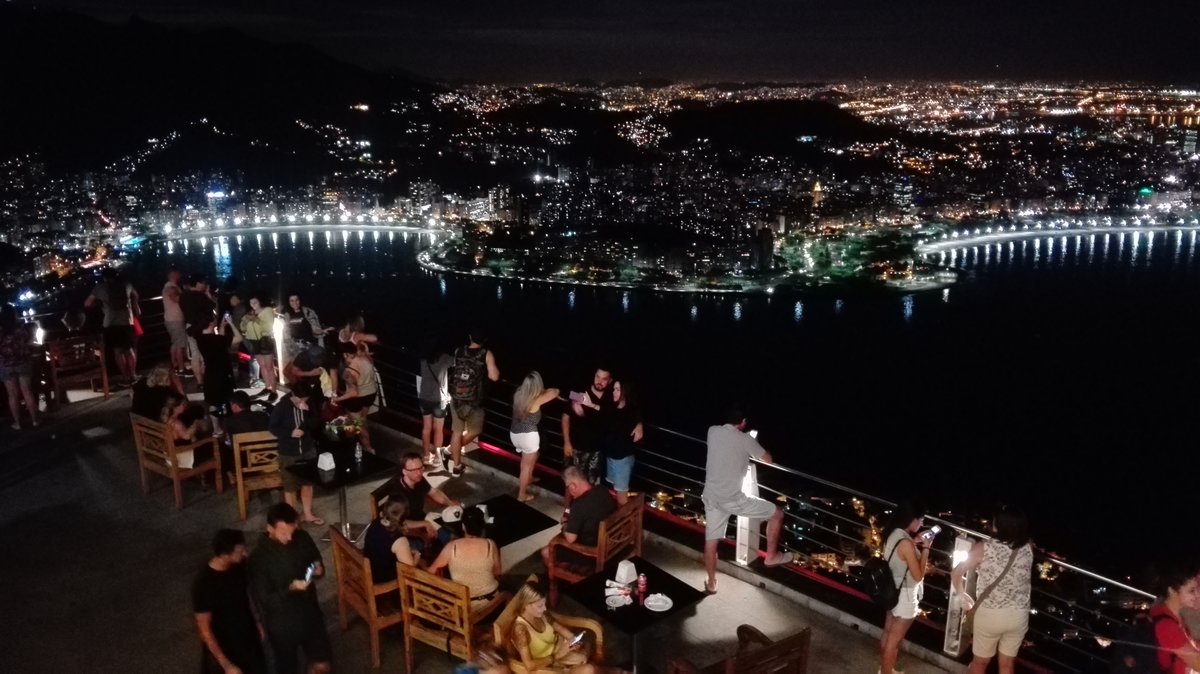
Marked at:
<point>618,600</point>
<point>659,602</point>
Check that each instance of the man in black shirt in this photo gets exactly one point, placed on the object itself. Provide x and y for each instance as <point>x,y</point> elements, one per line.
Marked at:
<point>231,636</point>
<point>589,507</point>
<point>584,425</point>
<point>285,599</point>
<point>412,487</point>
<point>241,419</point>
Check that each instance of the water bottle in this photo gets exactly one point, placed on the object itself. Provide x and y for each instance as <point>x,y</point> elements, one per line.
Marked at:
<point>358,452</point>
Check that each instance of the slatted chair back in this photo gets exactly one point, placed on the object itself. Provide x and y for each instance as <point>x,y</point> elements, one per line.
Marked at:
<point>158,452</point>
<point>620,533</point>
<point>357,590</point>
<point>437,612</point>
<point>257,465</point>
<point>76,359</point>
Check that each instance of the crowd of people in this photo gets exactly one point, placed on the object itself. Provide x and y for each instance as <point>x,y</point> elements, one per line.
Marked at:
<point>308,373</point>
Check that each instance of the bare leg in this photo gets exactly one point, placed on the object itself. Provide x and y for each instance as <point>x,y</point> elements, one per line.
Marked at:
<point>364,436</point>
<point>622,497</point>
<point>439,432</point>
<point>892,640</point>
<point>426,431</point>
<point>528,461</point>
<point>774,527</point>
<point>456,445</point>
<point>1007,663</point>
<point>30,401</point>
<point>14,403</point>
<point>266,370</point>
<point>710,563</point>
<point>306,502</point>
<point>979,665</point>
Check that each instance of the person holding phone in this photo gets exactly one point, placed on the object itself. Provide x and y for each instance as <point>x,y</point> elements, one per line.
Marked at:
<point>908,557</point>
<point>540,643</point>
<point>283,570</point>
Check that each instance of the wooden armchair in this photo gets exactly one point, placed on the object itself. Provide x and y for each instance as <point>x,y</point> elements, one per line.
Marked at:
<point>256,461</point>
<point>789,656</point>
<point>620,537</point>
<point>157,452</point>
<point>379,496</point>
<point>76,360</point>
<point>502,634</point>
<point>356,589</point>
<point>438,612</point>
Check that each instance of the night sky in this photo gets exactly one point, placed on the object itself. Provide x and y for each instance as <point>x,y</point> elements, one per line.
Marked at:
<point>698,40</point>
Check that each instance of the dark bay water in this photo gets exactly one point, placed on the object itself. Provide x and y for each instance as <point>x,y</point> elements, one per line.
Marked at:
<point>1060,374</point>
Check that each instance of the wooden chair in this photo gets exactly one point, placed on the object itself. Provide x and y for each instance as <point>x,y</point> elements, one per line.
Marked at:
<point>789,656</point>
<point>158,452</point>
<point>620,537</point>
<point>502,634</point>
<point>256,465</point>
<point>356,589</point>
<point>438,612</point>
<point>76,360</point>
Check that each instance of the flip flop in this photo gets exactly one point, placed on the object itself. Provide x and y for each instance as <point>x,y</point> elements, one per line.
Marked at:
<point>316,521</point>
<point>709,590</point>
<point>527,499</point>
<point>784,558</point>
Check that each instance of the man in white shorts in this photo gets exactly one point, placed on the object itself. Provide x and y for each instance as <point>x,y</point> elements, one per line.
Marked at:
<point>730,449</point>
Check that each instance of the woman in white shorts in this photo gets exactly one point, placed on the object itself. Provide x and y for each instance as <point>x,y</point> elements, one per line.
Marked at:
<point>527,412</point>
<point>1005,566</point>
<point>907,555</point>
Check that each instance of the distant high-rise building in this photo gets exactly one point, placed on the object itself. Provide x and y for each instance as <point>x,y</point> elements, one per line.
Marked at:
<point>1189,143</point>
<point>818,195</point>
<point>902,192</point>
<point>424,193</point>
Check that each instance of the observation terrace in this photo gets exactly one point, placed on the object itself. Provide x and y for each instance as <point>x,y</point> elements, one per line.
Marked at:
<point>94,564</point>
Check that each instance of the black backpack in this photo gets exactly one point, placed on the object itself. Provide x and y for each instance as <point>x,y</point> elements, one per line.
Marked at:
<point>880,584</point>
<point>1136,651</point>
<point>466,375</point>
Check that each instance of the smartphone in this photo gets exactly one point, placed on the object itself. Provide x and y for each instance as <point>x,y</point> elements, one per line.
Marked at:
<point>308,573</point>
<point>752,433</point>
<point>931,532</point>
<point>577,397</point>
<point>577,640</point>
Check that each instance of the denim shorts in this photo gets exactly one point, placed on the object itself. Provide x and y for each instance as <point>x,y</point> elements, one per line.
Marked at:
<point>432,409</point>
<point>619,472</point>
<point>13,372</point>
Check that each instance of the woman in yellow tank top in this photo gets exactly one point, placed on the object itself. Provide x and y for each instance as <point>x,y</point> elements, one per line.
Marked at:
<point>540,645</point>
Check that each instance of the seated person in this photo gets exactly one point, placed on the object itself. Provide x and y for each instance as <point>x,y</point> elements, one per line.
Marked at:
<point>473,560</point>
<point>412,488</point>
<point>384,543</point>
<point>179,419</point>
<point>149,393</point>
<point>590,505</point>
<point>241,419</point>
<point>536,643</point>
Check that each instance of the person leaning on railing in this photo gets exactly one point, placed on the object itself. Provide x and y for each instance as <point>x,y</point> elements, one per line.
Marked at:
<point>1005,566</point>
<point>1178,589</point>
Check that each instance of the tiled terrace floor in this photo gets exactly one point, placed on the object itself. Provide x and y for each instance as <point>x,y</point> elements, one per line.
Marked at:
<point>96,577</point>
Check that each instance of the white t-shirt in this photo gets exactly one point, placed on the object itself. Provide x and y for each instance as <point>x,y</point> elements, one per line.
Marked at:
<point>172,312</point>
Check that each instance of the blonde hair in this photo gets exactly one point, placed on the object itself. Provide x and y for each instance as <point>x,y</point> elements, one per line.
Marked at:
<point>159,375</point>
<point>529,390</point>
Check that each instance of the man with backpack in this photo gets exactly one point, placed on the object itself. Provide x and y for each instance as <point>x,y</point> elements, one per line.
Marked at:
<point>120,303</point>
<point>471,363</point>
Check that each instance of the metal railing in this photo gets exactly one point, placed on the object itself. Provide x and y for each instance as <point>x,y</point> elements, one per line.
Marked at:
<point>833,528</point>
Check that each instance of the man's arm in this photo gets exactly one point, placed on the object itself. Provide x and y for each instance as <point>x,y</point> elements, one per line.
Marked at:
<point>493,371</point>
<point>204,627</point>
<point>439,497</point>
<point>568,450</point>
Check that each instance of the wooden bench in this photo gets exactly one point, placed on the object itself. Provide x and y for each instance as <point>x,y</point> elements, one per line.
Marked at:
<point>357,590</point>
<point>256,465</point>
<point>73,361</point>
<point>502,634</point>
<point>788,656</point>
<point>619,537</point>
<point>157,452</point>
<point>438,612</point>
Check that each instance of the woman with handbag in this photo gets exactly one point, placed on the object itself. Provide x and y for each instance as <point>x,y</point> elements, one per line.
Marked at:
<point>907,555</point>
<point>1001,611</point>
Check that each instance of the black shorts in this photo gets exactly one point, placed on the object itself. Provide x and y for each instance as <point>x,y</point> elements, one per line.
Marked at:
<point>314,641</point>
<point>433,409</point>
<point>260,347</point>
<point>358,404</point>
<point>119,336</point>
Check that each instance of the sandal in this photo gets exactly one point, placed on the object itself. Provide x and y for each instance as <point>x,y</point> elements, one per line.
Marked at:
<point>709,590</point>
<point>315,521</point>
<point>527,498</point>
<point>784,558</point>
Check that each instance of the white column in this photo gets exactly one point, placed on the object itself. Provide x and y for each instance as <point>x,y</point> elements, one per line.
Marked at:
<point>955,641</point>
<point>747,529</point>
